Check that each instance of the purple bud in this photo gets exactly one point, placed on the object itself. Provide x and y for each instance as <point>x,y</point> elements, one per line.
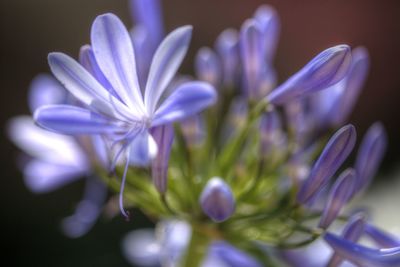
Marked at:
<point>338,196</point>
<point>232,256</point>
<point>208,67</point>
<point>217,200</point>
<point>193,130</point>
<point>164,136</point>
<point>381,238</point>
<point>370,155</point>
<point>363,256</point>
<point>251,52</point>
<point>268,20</point>
<point>270,130</point>
<point>326,69</point>
<point>226,46</point>
<point>334,154</point>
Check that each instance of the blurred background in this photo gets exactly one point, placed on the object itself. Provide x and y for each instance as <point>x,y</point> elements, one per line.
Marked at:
<point>29,30</point>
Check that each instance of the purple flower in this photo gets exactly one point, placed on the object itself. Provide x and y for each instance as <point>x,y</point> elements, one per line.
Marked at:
<point>128,117</point>
<point>217,200</point>
<point>207,66</point>
<point>338,197</point>
<point>363,256</point>
<point>230,256</point>
<point>334,154</point>
<point>326,69</point>
<point>370,155</point>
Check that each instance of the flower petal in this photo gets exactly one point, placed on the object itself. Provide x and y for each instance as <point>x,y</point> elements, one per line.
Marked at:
<point>143,149</point>
<point>165,63</point>
<point>73,120</point>
<point>189,99</point>
<point>207,66</point>
<point>78,81</point>
<point>232,256</point>
<point>381,238</point>
<point>113,49</point>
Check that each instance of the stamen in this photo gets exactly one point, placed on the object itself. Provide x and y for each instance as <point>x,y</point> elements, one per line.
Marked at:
<point>121,191</point>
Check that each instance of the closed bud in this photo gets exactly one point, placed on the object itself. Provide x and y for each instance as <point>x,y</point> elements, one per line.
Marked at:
<point>381,238</point>
<point>217,200</point>
<point>208,66</point>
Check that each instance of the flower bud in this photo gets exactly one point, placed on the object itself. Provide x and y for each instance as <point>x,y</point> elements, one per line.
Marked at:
<point>334,154</point>
<point>381,238</point>
<point>217,200</point>
<point>207,66</point>
<point>270,131</point>
<point>326,69</point>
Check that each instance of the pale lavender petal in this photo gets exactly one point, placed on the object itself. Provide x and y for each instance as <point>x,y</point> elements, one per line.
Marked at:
<point>45,90</point>
<point>101,150</point>
<point>363,256</point>
<point>87,211</point>
<point>81,84</point>
<point>188,99</point>
<point>43,177</point>
<point>143,52</point>
<point>338,197</point>
<point>323,71</point>
<point>166,61</point>
<point>164,136</point>
<point>140,247</point>
<point>381,238</point>
<point>113,49</point>
<point>217,200</point>
<point>268,20</point>
<point>334,154</point>
<point>232,256</point>
<point>147,14</point>
<point>73,120</point>
<point>251,52</point>
<point>227,46</point>
<point>208,66</point>
<point>370,155</point>
<point>143,148</point>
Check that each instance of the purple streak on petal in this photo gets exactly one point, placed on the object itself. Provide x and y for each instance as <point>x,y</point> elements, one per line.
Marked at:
<point>268,20</point>
<point>208,66</point>
<point>251,52</point>
<point>370,155</point>
<point>187,100</point>
<point>227,47</point>
<point>73,120</point>
<point>147,14</point>
<point>363,256</point>
<point>143,52</point>
<point>270,126</point>
<point>352,232</point>
<point>232,256</point>
<point>323,71</point>
<point>193,130</point>
<point>143,148</point>
<point>164,136</point>
<point>43,177</point>
<point>87,211</point>
<point>81,84</point>
<point>45,90</point>
<point>334,154</point>
<point>338,197</point>
<point>165,63</point>
<point>217,200</point>
<point>354,82</point>
<point>381,238</point>
<point>113,49</point>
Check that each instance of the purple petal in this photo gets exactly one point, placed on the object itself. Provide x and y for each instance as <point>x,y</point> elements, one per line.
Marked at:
<point>143,149</point>
<point>381,238</point>
<point>232,256</point>
<point>268,20</point>
<point>45,90</point>
<point>326,69</point>
<point>217,200</point>
<point>87,211</point>
<point>338,196</point>
<point>164,136</point>
<point>227,46</point>
<point>251,52</point>
<point>78,81</point>
<point>207,66</point>
<point>363,256</point>
<point>143,52</point>
<point>334,154</point>
<point>73,120</point>
<point>270,126</point>
<point>147,14</point>
<point>166,61</point>
<point>188,99</point>
<point>370,155</point>
<point>43,177</point>
<point>113,49</point>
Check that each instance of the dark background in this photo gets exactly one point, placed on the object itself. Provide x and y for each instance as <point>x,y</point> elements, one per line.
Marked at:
<point>30,29</point>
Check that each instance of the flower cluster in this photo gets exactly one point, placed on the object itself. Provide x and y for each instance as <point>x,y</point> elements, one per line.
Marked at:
<point>235,169</point>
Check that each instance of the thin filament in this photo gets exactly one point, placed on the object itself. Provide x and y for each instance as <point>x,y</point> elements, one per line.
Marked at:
<point>121,191</point>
